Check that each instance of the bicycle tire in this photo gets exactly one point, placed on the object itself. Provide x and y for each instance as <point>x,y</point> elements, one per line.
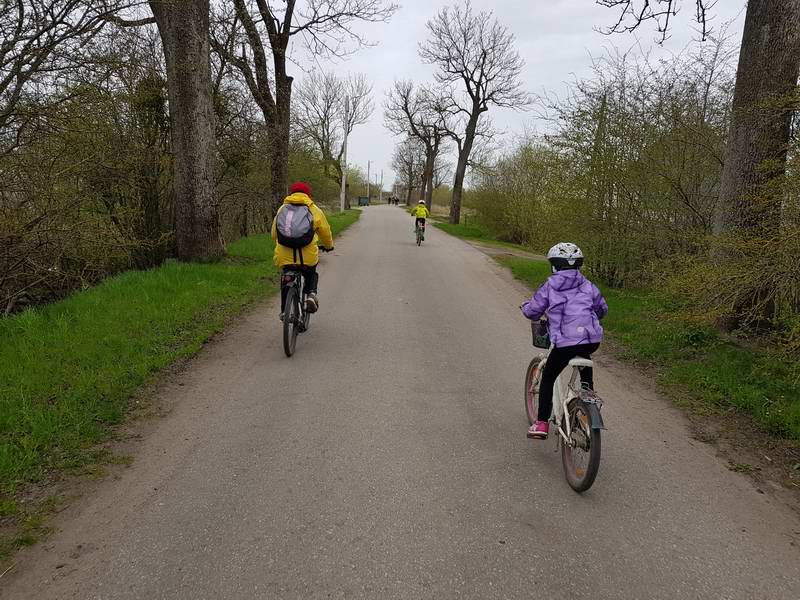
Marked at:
<point>419,238</point>
<point>306,320</point>
<point>531,394</point>
<point>581,478</point>
<point>291,318</point>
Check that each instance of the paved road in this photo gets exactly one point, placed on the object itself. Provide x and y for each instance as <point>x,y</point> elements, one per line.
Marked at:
<point>387,459</point>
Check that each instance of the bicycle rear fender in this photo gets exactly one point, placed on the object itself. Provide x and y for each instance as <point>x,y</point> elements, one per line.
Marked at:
<point>595,418</point>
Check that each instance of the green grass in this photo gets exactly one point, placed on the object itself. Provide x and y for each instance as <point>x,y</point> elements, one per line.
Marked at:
<point>477,233</point>
<point>470,232</point>
<point>68,369</point>
<point>692,358</point>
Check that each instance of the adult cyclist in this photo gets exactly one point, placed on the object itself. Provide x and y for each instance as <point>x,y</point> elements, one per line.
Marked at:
<point>298,225</point>
<point>420,212</point>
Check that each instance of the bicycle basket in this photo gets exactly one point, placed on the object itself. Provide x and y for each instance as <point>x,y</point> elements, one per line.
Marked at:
<point>541,333</point>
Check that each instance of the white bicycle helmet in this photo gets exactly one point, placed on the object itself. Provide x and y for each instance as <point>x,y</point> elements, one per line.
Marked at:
<point>421,202</point>
<point>565,255</point>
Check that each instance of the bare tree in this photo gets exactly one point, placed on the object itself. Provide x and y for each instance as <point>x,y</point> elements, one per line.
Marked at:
<point>38,39</point>
<point>634,12</point>
<point>408,161</point>
<point>320,114</point>
<point>267,27</point>
<point>442,171</point>
<point>477,52</point>
<point>420,114</point>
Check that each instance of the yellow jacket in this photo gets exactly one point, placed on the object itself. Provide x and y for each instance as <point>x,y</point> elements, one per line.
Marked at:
<point>420,211</point>
<point>284,256</point>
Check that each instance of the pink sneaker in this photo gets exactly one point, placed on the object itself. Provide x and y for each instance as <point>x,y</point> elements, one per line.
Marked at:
<point>539,430</point>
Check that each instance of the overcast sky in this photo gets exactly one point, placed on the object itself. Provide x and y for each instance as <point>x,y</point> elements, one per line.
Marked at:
<point>556,38</point>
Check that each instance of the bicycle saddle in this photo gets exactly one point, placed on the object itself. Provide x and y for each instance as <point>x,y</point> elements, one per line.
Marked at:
<point>581,362</point>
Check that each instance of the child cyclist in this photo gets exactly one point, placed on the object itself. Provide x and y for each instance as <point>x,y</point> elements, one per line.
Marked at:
<point>573,306</point>
<point>420,212</point>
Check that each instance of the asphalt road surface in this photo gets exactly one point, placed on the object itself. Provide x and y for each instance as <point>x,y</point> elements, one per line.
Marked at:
<point>388,459</point>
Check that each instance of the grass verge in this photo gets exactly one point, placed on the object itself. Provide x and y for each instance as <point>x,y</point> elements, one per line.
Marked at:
<point>67,370</point>
<point>476,233</point>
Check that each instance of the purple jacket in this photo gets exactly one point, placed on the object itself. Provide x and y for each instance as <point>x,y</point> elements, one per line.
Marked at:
<point>574,307</point>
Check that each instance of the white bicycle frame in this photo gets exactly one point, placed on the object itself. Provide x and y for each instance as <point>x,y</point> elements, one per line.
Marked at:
<point>564,391</point>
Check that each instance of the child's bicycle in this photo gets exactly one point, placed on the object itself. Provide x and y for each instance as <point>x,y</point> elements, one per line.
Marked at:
<point>576,414</point>
<point>419,229</point>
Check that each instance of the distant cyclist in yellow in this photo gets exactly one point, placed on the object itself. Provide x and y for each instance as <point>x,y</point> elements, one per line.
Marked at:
<point>420,212</point>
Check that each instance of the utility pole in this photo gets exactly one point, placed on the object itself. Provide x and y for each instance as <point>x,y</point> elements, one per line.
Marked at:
<point>343,193</point>
<point>368,182</point>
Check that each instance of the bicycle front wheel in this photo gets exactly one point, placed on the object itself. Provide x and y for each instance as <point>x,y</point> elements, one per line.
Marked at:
<point>291,321</point>
<point>532,378</point>
<point>581,456</point>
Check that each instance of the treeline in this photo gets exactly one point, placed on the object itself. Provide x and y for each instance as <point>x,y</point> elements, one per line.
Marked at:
<point>633,173</point>
<point>477,68</point>
<point>680,174</point>
<point>88,149</point>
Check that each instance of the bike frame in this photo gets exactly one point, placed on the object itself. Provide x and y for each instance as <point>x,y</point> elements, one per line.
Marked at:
<point>419,231</point>
<point>564,391</point>
<point>297,281</point>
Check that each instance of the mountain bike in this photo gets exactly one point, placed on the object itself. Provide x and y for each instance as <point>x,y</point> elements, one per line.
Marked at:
<point>420,232</point>
<point>576,416</point>
<point>296,318</point>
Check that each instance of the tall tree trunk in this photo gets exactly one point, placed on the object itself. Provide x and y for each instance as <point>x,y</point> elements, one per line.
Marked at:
<point>461,166</point>
<point>427,176</point>
<point>458,185</point>
<point>184,29</point>
<point>434,152</point>
<point>279,132</point>
<point>429,190</point>
<point>279,167</point>
<point>769,63</point>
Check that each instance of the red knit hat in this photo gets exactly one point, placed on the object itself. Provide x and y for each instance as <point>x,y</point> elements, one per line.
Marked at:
<point>302,187</point>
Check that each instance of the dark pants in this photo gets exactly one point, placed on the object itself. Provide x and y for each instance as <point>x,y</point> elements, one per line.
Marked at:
<point>310,278</point>
<point>420,222</point>
<point>556,362</point>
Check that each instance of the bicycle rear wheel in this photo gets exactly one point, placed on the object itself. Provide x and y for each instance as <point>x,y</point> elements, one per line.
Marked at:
<point>306,319</point>
<point>580,458</point>
<point>419,237</point>
<point>291,321</point>
<point>532,378</point>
